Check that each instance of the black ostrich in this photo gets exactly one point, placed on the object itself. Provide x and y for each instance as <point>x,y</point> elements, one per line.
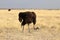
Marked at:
<point>27,18</point>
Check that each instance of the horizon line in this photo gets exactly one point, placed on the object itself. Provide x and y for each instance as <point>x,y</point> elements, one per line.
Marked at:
<point>28,9</point>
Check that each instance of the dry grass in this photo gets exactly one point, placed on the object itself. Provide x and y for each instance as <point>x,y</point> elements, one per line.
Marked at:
<point>47,20</point>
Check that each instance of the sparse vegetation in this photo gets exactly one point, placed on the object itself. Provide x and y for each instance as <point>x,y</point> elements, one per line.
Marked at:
<point>48,22</point>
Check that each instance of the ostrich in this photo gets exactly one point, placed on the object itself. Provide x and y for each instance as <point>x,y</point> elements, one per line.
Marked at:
<point>27,18</point>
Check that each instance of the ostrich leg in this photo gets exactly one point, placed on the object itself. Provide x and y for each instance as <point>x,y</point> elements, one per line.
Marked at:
<point>28,28</point>
<point>22,28</point>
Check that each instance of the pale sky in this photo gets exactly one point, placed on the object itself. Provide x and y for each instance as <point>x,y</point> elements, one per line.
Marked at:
<point>41,4</point>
